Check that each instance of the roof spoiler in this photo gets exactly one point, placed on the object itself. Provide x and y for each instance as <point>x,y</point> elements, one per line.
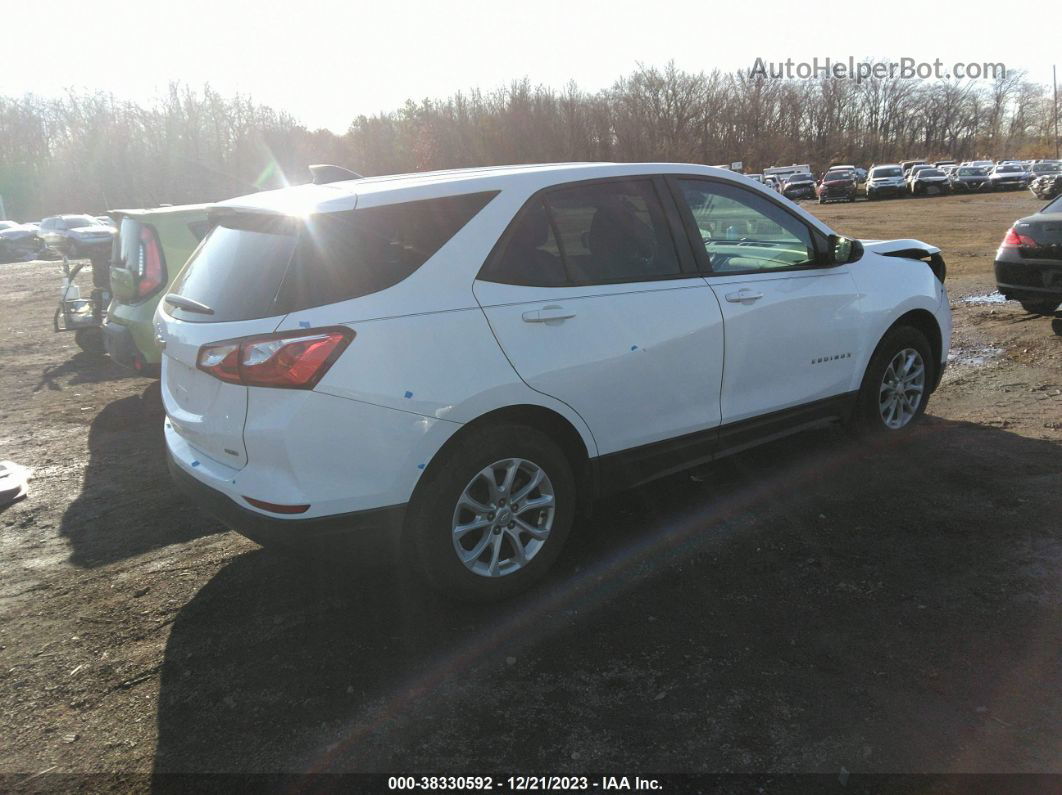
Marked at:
<point>323,173</point>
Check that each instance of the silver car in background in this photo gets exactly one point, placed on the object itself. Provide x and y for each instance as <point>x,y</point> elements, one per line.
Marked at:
<point>77,235</point>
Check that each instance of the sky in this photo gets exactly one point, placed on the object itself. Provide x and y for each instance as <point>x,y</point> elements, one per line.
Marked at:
<point>327,61</point>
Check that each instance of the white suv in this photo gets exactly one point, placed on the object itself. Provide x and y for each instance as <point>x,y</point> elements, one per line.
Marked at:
<point>466,358</point>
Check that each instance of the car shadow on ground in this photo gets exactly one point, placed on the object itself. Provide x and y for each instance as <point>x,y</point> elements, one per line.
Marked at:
<point>811,605</point>
<point>82,368</point>
<point>127,504</point>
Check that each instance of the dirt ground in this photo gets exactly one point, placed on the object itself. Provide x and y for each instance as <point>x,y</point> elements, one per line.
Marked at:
<point>814,605</point>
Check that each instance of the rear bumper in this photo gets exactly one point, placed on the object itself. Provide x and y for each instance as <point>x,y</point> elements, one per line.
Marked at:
<point>1029,279</point>
<point>268,531</point>
<point>119,344</point>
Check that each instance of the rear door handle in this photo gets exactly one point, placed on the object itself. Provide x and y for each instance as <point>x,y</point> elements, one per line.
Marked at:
<point>546,314</point>
<point>744,296</point>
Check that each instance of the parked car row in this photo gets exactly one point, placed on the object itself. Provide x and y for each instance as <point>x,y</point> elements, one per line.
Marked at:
<point>913,178</point>
<point>74,236</point>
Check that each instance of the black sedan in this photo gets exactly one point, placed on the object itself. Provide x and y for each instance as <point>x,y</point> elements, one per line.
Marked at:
<point>1029,261</point>
<point>930,182</point>
<point>969,179</point>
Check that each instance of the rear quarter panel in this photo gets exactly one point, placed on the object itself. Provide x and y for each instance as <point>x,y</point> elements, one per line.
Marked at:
<point>443,365</point>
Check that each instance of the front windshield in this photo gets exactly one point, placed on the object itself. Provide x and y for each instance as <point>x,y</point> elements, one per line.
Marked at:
<point>800,178</point>
<point>74,221</point>
<point>972,172</point>
<point>877,173</point>
<point>931,172</point>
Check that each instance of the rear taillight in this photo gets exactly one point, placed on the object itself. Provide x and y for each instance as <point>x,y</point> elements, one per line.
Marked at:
<point>149,266</point>
<point>287,360</point>
<point>1013,240</point>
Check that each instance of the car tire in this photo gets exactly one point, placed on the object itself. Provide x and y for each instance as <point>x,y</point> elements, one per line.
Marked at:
<point>90,340</point>
<point>459,478</point>
<point>1047,307</point>
<point>879,406</point>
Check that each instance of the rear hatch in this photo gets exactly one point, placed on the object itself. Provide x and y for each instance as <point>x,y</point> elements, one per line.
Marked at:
<point>257,267</point>
<point>236,277</point>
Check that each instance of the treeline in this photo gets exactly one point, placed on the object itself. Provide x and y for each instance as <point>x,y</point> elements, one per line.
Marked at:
<point>94,152</point>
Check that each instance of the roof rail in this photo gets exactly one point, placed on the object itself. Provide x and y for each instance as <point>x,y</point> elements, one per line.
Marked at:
<point>323,173</point>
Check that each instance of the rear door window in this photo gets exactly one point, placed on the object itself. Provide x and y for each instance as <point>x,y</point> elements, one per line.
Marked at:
<point>255,265</point>
<point>600,233</point>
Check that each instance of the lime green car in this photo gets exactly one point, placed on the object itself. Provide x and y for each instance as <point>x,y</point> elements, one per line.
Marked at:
<point>149,250</point>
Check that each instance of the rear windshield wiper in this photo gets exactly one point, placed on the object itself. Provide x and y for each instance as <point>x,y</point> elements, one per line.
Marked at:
<point>187,304</point>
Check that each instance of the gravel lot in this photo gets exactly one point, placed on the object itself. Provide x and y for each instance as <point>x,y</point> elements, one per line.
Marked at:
<point>809,606</point>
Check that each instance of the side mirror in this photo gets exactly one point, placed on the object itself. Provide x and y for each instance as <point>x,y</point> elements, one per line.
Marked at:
<point>844,250</point>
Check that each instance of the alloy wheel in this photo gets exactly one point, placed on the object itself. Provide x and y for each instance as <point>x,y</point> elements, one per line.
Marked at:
<point>902,388</point>
<point>503,517</point>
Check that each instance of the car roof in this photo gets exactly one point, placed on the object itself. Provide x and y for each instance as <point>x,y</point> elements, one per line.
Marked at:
<point>170,210</point>
<point>388,189</point>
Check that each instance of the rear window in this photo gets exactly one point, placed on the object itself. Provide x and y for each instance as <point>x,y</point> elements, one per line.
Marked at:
<point>255,265</point>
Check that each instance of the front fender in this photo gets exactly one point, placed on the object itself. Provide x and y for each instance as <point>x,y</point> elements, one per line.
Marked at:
<point>890,286</point>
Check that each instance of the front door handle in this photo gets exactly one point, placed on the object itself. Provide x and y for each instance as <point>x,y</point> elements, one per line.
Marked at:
<point>744,296</point>
<point>547,313</point>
